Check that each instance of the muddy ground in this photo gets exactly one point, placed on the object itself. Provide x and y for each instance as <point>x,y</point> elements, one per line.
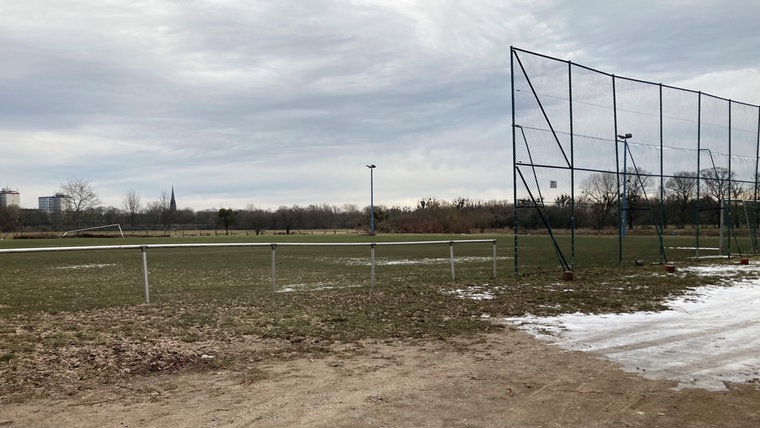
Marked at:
<point>502,378</point>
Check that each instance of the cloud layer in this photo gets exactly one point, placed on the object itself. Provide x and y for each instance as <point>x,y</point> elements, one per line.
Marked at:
<point>280,103</point>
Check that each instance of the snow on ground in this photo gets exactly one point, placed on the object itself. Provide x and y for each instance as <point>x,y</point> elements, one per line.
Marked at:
<point>87,266</point>
<point>380,261</point>
<point>473,292</point>
<point>314,286</point>
<point>707,338</point>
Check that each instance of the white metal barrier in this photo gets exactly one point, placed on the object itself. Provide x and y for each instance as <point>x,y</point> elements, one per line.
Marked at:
<point>144,250</point>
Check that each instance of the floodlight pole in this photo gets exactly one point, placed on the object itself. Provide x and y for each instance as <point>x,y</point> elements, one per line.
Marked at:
<point>624,213</point>
<point>371,199</point>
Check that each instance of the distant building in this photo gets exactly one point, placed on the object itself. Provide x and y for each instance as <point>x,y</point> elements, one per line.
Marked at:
<point>9,197</point>
<point>54,204</point>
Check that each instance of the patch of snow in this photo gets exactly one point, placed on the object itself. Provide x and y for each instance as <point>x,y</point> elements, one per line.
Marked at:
<point>87,266</point>
<point>362,261</point>
<point>473,293</point>
<point>317,286</point>
<point>725,271</point>
<point>706,339</point>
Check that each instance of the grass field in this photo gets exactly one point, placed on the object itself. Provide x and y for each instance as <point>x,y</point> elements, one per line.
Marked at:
<point>71,319</point>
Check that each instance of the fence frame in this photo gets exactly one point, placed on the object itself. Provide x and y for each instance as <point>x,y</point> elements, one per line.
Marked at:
<point>564,69</point>
<point>273,247</point>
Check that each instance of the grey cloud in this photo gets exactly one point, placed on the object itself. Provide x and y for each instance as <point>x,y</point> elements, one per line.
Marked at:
<point>655,38</point>
<point>280,103</point>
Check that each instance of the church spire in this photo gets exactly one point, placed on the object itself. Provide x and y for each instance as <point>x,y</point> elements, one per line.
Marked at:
<point>173,203</point>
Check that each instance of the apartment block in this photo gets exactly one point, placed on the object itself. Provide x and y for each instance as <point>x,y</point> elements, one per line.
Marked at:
<point>54,204</point>
<point>9,197</point>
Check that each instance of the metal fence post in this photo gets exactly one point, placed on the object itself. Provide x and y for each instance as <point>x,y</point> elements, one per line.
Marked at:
<point>494,259</point>
<point>451,258</point>
<point>144,250</point>
<point>372,265</point>
<point>274,269</point>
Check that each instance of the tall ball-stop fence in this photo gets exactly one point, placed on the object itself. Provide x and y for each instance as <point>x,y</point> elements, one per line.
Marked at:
<point>626,158</point>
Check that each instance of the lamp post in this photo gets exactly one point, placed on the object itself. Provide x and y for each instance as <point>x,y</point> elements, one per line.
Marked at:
<point>371,199</point>
<point>624,138</point>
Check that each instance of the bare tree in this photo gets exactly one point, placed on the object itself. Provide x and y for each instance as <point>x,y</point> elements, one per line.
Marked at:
<point>460,202</point>
<point>637,182</point>
<point>428,203</point>
<point>563,201</point>
<point>600,190</point>
<point>10,219</point>
<point>131,204</point>
<point>254,218</point>
<point>721,184</point>
<point>155,212</point>
<point>81,197</point>
<point>286,217</point>
<point>682,191</point>
<point>164,202</point>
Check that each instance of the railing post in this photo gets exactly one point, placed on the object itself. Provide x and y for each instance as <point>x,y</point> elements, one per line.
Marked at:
<point>372,264</point>
<point>451,258</point>
<point>144,250</point>
<point>494,259</point>
<point>274,269</point>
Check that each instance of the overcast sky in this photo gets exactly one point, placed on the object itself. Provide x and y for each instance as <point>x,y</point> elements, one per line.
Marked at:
<point>271,103</point>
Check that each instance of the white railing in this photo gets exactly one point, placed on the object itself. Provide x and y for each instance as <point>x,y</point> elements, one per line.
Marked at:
<point>144,250</point>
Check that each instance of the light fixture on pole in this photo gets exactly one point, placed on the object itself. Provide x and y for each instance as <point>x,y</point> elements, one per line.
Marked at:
<point>624,214</point>
<point>371,199</point>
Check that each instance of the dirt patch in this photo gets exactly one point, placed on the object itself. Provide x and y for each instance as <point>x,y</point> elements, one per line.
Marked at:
<point>495,379</point>
<point>406,355</point>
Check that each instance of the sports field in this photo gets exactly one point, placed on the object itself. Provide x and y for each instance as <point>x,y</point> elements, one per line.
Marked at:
<point>75,324</point>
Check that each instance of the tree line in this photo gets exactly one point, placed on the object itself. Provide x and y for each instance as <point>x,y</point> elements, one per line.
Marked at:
<point>84,209</point>
<point>596,207</point>
<point>686,199</point>
<point>430,216</point>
